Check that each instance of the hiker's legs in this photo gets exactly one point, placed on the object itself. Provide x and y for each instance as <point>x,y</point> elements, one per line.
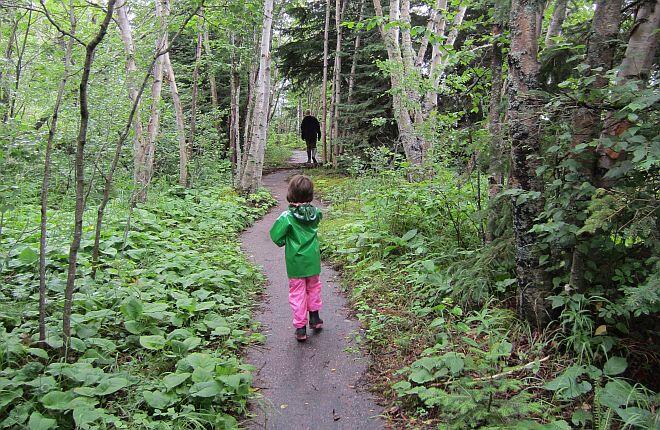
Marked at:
<point>309,154</point>
<point>314,155</point>
<point>313,284</point>
<point>298,301</point>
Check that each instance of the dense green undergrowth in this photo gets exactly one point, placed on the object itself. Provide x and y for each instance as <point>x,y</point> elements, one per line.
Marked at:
<point>157,334</point>
<point>438,309</point>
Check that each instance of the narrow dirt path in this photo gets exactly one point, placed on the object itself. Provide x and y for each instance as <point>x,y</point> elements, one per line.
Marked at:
<point>311,385</point>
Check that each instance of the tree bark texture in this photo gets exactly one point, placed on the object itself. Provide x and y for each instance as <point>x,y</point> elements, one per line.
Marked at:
<point>139,146</point>
<point>46,179</point>
<point>81,140</point>
<point>523,114</point>
<point>636,64</point>
<point>145,156</point>
<point>180,122</point>
<point>195,90</point>
<point>556,22</point>
<point>642,43</point>
<point>356,51</point>
<point>251,175</point>
<point>324,85</point>
<point>496,169</point>
<point>234,129</point>
<point>212,82</point>
<point>412,145</point>
<point>336,83</point>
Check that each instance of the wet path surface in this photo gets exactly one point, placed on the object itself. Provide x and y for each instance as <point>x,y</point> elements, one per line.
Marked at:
<point>311,385</point>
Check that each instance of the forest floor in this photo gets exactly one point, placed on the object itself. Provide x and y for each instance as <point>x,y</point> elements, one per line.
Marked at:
<point>315,384</point>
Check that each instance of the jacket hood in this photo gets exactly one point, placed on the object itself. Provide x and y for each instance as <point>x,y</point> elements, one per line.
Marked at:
<point>305,213</point>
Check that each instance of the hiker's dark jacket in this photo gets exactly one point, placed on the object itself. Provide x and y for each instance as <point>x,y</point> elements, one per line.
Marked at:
<point>310,130</point>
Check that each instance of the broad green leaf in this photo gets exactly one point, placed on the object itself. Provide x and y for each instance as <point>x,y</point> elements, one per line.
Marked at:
<point>57,400</point>
<point>206,389</point>
<point>225,422</point>
<point>84,415</point>
<point>158,399</point>
<point>38,352</point>
<point>8,396</point>
<point>178,347</point>
<point>616,393</point>
<point>28,256</point>
<point>134,327</point>
<point>39,422</point>
<point>105,344</point>
<point>111,385</point>
<point>421,376</point>
<point>154,343</point>
<point>201,360</point>
<point>234,381</point>
<point>409,235</point>
<point>78,344</point>
<point>635,417</point>
<point>175,379</point>
<point>221,331</point>
<point>132,308</point>
<point>454,362</point>
<point>615,366</point>
<point>192,343</point>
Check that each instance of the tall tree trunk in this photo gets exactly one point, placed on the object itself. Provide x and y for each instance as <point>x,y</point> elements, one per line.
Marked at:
<point>184,150</point>
<point>356,51</point>
<point>180,124</point>
<point>234,129</point>
<point>496,178</point>
<point>642,43</point>
<point>247,127</point>
<point>212,82</point>
<point>431,28</point>
<point>586,121</point>
<point>324,85</point>
<point>144,157</point>
<point>636,64</point>
<point>336,83</point>
<point>195,90</point>
<point>131,67</point>
<point>251,175</point>
<point>523,113</point>
<point>438,62</point>
<point>46,179</point>
<point>558,16</point>
<point>81,140</point>
<point>413,146</point>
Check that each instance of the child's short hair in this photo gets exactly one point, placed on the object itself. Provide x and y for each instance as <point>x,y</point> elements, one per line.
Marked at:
<point>301,190</point>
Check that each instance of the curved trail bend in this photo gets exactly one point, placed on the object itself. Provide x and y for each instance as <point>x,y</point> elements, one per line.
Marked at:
<point>309,385</point>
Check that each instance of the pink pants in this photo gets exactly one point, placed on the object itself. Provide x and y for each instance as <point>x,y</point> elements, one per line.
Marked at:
<point>304,296</point>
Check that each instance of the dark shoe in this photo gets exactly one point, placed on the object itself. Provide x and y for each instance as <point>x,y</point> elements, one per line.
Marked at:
<point>301,334</point>
<point>315,321</point>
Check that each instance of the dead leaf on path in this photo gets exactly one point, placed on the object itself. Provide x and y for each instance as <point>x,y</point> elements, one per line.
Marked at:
<point>283,406</point>
<point>335,417</point>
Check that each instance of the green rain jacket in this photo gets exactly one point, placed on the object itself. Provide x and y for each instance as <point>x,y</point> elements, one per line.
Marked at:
<point>297,229</point>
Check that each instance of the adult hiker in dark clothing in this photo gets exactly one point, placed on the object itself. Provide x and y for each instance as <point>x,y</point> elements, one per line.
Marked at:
<point>310,131</point>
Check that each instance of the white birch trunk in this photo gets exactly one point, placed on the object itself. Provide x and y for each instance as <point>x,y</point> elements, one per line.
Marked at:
<point>144,157</point>
<point>251,176</point>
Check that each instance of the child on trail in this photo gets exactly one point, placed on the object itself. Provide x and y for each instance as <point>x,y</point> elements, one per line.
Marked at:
<point>296,229</point>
